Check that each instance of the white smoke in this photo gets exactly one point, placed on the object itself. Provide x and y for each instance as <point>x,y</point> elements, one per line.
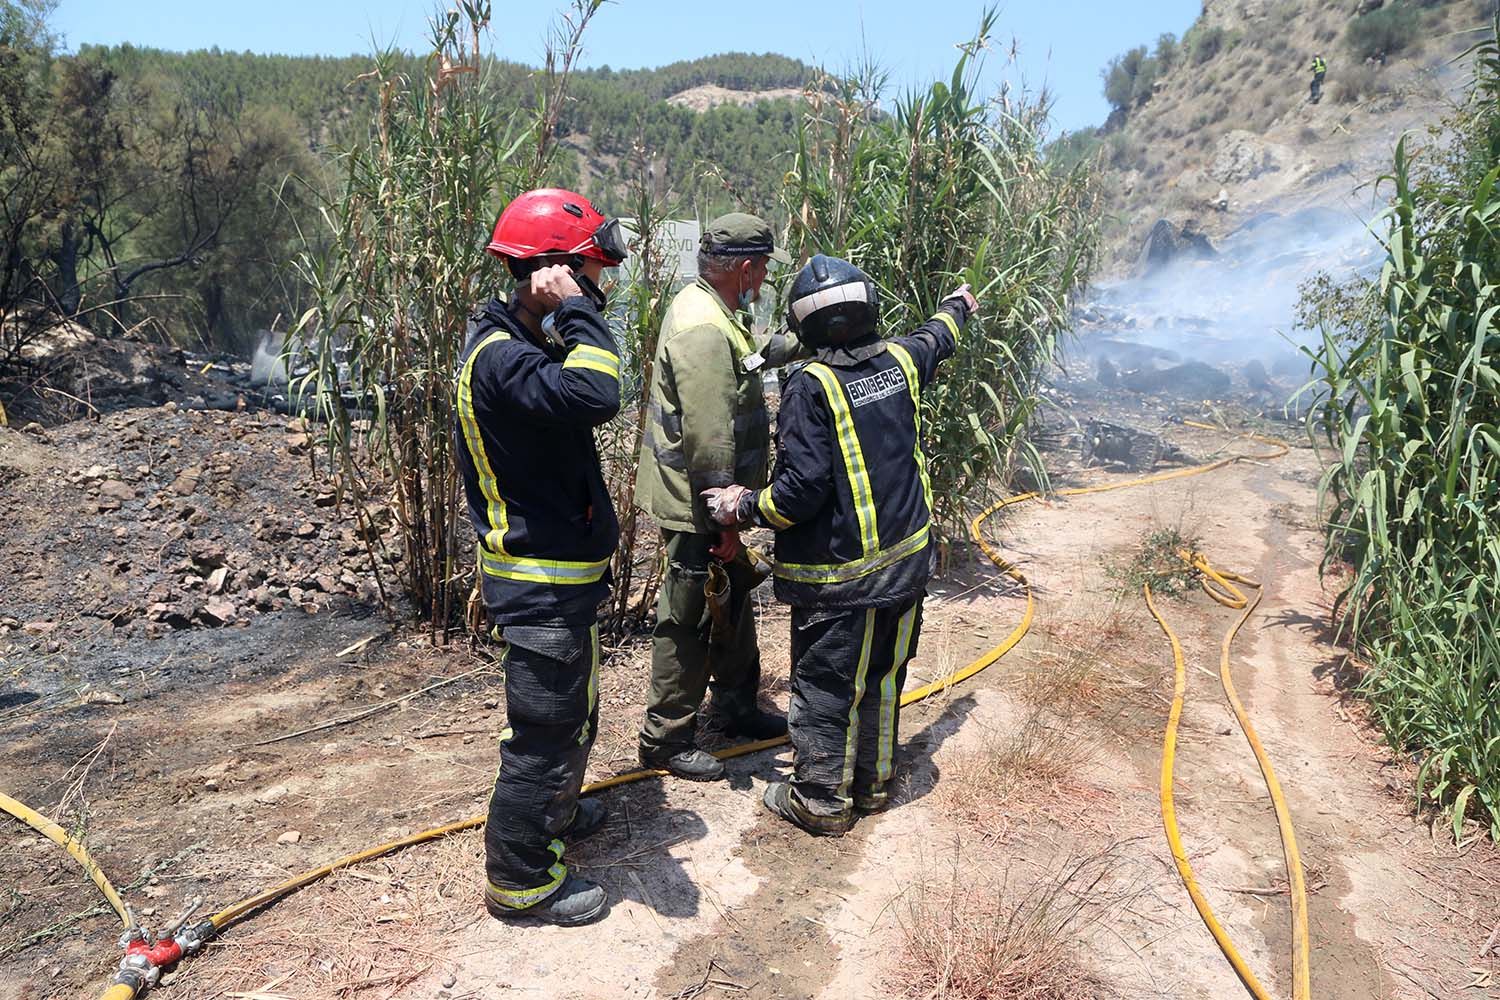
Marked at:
<point>267,365</point>
<point>1239,306</point>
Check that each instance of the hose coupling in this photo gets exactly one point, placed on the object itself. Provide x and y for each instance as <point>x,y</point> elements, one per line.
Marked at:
<point>147,956</point>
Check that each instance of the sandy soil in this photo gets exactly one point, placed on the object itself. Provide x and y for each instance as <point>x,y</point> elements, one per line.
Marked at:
<point>1046,760</point>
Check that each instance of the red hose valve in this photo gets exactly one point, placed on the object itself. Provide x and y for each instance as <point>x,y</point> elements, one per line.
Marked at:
<point>147,956</point>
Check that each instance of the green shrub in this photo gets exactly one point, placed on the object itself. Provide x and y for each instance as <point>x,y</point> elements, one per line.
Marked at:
<point>1074,148</point>
<point>1207,42</point>
<point>1167,51</point>
<point>1384,32</point>
<point>1129,78</point>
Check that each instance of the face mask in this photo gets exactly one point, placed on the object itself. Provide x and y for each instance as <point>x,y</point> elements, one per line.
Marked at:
<point>746,298</point>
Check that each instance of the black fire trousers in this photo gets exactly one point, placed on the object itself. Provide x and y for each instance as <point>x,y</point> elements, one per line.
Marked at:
<point>848,668</point>
<point>552,703</point>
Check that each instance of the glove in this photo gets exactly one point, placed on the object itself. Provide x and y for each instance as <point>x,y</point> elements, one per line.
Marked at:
<point>729,546</point>
<point>724,503</point>
<point>964,295</point>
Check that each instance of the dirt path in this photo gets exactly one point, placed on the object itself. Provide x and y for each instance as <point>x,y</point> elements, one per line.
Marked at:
<point>1030,790</point>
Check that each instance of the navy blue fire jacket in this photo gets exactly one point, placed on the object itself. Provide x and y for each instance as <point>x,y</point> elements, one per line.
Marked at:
<point>850,500</point>
<point>527,410</point>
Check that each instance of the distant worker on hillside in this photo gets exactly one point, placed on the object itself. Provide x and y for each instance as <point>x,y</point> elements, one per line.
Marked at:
<point>1319,70</point>
<point>538,373</point>
<point>707,426</point>
<point>852,507</point>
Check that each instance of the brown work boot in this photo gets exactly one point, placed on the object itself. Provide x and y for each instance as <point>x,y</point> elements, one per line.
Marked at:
<point>782,801</point>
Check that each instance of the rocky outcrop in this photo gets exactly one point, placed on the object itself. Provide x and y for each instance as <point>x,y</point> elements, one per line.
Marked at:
<point>711,95</point>
<point>1242,156</point>
<point>1168,243</point>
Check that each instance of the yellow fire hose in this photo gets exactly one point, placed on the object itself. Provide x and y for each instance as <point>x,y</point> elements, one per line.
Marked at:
<point>1228,595</point>
<point>41,824</point>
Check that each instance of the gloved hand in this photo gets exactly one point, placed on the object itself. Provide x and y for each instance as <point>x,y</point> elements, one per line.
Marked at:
<point>966,296</point>
<point>724,503</point>
<point>729,546</point>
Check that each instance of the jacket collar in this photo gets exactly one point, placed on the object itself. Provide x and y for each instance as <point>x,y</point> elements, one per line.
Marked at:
<point>849,355</point>
<point>713,293</point>
<point>497,312</point>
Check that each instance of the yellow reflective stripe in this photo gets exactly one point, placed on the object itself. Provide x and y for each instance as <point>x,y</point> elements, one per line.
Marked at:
<point>885,750</point>
<point>594,358</point>
<point>851,735</point>
<point>844,572</point>
<point>948,319</point>
<point>583,736</point>
<point>528,570</point>
<point>767,508</point>
<point>488,486</point>
<point>914,385</point>
<point>520,899</point>
<point>854,458</point>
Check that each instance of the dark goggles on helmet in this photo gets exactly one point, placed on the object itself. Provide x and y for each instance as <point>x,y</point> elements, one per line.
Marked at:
<point>610,239</point>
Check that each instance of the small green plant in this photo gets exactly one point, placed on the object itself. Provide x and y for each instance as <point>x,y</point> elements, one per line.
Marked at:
<point>1384,32</point>
<point>1157,561</point>
<point>1351,308</point>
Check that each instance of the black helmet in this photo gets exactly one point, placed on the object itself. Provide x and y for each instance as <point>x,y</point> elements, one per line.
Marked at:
<point>832,302</point>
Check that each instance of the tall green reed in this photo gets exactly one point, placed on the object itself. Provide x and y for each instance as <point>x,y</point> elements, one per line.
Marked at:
<point>1414,491</point>
<point>401,271</point>
<point>952,186</point>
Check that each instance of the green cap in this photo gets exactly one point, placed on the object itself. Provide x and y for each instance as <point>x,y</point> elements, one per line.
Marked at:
<point>741,233</point>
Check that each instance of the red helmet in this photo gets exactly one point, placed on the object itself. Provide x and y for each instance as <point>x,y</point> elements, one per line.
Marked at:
<point>555,221</point>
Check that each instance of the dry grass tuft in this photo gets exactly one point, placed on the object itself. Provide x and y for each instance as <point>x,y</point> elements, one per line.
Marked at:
<point>367,931</point>
<point>968,942</point>
<point>1012,773</point>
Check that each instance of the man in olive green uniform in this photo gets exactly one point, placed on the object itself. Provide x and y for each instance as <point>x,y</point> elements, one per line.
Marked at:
<point>707,426</point>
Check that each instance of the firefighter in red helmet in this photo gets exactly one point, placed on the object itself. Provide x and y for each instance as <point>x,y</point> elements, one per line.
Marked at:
<point>539,371</point>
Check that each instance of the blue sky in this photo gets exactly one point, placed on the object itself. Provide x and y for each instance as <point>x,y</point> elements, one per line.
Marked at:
<point>1062,43</point>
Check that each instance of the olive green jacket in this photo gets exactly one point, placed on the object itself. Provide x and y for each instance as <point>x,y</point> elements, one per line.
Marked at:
<point>706,421</point>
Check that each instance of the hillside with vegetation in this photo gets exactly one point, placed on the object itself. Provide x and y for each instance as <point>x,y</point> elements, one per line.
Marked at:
<point>1215,128</point>
<point>170,193</point>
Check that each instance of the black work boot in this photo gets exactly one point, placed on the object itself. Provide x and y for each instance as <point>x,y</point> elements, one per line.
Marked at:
<point>871,800</point>
<point>590,815</point>
<point>577,901</point>
<point>692,764</point>
<point>756,724</point>
<point>780,799</point>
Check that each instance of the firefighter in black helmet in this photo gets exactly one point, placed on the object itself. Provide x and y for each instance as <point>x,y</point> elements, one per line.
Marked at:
<point>851,505</point>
